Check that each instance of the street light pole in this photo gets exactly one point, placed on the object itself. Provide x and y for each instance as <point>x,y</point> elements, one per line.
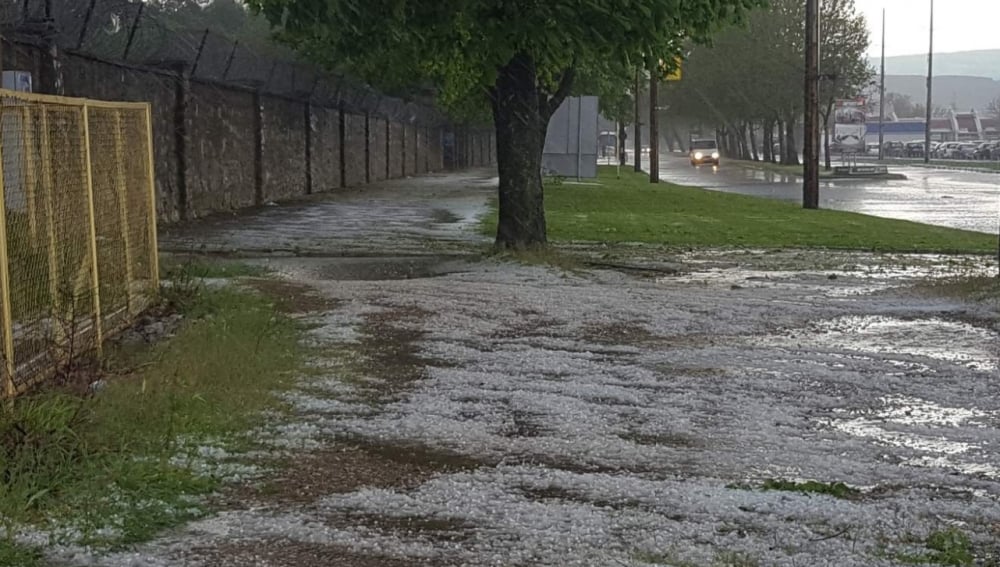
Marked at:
<point>637,138</point>
<point>930,91</point>
<point>881,98</point>
<point>654,124</point>
<point>810,187</point>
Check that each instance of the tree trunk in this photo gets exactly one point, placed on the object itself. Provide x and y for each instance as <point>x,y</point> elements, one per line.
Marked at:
<point>622,136</point>
<point>521,123</point>
<point>791,149</point>
<point>826,140</point>
<point>753,143</point>
<point>782,142</point>
<point>768,141</point>
<point>744,140</point>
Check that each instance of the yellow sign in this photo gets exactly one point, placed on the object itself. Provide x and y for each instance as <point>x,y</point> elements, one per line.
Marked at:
<point>672,72</point>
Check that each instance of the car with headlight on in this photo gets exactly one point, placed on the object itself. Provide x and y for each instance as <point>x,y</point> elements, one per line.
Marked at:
<point>704,151</point>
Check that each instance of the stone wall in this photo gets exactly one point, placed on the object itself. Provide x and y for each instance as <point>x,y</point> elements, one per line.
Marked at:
<point>223,147</point>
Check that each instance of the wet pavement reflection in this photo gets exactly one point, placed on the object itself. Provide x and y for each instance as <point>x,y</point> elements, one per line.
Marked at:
<point>956,199</point>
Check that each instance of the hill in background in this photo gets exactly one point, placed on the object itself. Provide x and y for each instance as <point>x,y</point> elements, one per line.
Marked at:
<point>962,93</point>
<point>984,63</point>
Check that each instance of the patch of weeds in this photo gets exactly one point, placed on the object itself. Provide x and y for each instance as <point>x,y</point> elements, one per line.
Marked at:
<point>661,559</point>
<point>444,216</point>
<point>736,559</point>
<point>835,489</point>
<point>104,464</point>
<point>291,297</point>
<point>950,547</point>
<point>679,440</point>
<point>722,559</point>
<point>12,553</point>
<point>543,256</point>
<point>173,268</point>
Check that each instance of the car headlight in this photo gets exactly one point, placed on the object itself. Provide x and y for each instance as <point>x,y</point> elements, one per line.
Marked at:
<point>715,155</point>
<point>698,155</point>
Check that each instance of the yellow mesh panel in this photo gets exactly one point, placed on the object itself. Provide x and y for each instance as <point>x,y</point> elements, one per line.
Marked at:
<point>77,230</point>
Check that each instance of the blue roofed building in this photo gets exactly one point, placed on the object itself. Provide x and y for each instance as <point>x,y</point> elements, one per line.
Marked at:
<point>955,127</point>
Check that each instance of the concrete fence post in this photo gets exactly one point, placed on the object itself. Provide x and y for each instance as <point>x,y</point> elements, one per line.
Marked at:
<point>403,140</point>
<point>258,149</point>
<point>307,124</point>
<point>50,74</point>
<point>416,148</point>
<point>182,101</point>
<point>368,148</point>
<point>427,149</point>
<point>342,133</point>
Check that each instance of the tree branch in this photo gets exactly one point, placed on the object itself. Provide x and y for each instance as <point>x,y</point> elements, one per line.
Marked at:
<point>552,103</point>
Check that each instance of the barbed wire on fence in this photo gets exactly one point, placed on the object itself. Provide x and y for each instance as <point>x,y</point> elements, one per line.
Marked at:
<point>141,33</point>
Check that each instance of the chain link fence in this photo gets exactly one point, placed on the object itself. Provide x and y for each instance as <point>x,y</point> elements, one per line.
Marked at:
<point>77,229</point>
<point>145,33</point>
<point>238,120</point>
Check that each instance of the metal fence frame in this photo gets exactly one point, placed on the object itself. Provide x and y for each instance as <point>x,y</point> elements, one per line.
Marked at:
<point>103,321</point>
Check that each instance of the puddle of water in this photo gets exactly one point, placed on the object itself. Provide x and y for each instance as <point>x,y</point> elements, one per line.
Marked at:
<point>367,269</point>
<point>870,428</point>
<point>921,412</point>
<point>949,341</point>
<point>907,411</point>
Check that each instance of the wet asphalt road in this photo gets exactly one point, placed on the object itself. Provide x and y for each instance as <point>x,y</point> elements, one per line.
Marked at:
<point>955,199</point>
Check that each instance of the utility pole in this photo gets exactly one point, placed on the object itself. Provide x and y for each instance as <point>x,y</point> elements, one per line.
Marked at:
<point>654,124</point>
<point>810,187</point>
<point>637,140</point>
<point>881,98</point>
<point>930,92</point>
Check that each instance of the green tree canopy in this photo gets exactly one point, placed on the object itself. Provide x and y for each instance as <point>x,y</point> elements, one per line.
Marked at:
<point>754,74</point>
<point>519,57</point>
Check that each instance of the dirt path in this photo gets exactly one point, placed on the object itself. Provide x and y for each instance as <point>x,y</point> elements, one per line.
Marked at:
<point>486,413</point>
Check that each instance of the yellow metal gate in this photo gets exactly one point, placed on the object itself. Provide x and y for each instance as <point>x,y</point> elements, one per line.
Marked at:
<point>78,256</point>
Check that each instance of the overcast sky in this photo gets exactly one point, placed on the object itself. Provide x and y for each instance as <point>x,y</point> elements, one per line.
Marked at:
<point>959,25</point>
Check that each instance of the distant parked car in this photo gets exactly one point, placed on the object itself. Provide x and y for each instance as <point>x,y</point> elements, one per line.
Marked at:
<point>984,151</point>
<point>966,151</point>
<point>871,149</point>
<point>915,149</point>
<point>948,150</point>
<point>894,149</point>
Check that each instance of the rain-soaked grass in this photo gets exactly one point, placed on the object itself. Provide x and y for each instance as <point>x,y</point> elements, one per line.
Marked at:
<point>105,465</point>
<point>630,209</point>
